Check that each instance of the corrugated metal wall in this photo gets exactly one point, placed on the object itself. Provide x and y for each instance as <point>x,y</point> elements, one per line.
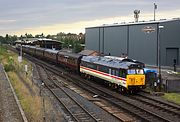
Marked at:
<point>170,42</point>
<point>130,39</point>
<point>142,45</point>
<point>92,39</point>
<point>115,40</point>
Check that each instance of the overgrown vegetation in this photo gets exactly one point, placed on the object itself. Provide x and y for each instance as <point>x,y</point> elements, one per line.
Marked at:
<point>173,97</point>
<point>72,44</point>
<point>31,103</point>
<point>10,64</point>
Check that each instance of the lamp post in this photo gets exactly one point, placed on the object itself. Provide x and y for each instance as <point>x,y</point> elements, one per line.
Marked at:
<point>41,88</point>
<point>159,57</point>
<point>155,7</point>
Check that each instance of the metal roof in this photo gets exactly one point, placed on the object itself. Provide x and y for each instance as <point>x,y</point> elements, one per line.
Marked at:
<point>51,51</point>
<point>88,52</point>
<point>74,55</point>
<point>136,23</point>
<point>32,46</point>
<point>124,64</point>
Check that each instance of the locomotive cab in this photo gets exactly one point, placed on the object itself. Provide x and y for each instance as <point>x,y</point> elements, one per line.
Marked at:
<point>135,78</point>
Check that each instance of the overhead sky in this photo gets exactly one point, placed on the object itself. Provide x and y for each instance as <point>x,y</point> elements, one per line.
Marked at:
<point>18,17</point>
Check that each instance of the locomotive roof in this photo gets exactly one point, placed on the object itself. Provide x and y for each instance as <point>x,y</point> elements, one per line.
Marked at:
<point>74,55</point>
<point>114,63</point>
<point>51,51</point>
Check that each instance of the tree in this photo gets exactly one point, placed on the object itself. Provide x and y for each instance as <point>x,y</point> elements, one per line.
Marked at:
<point>7,38</point>
<point>29,35</point>
<point>39,36</point>
<point>77,47</point>
<point>13,39</point>
<point>2,39</point>
<point>81,38</point>
<point>48,36</point>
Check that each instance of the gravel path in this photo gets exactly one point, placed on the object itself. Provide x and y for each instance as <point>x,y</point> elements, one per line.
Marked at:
<point>9,110</point>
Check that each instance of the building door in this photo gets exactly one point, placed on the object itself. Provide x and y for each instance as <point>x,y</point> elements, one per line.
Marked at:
<point>171,56</point>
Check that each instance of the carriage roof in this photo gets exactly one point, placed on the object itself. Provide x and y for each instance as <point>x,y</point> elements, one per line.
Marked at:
<point>73,55</point>
<point>51,51</point>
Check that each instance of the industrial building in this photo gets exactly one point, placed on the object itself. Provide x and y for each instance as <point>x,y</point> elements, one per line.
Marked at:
<point>149,42</point>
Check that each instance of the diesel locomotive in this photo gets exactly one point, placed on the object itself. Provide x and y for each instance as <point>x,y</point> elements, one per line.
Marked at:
<point>121,73</point>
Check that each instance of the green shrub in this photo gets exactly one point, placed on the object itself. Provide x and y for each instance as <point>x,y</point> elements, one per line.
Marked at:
<point>9,67</point>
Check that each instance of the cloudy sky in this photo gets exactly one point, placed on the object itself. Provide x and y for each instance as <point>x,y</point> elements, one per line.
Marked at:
<point>53,16</point>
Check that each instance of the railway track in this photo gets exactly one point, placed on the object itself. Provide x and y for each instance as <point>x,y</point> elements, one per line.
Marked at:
<point>172,109</point>
<point>139,110</point>
<point>137,107</point>
<point>76,111</point>
<point>10,108</point>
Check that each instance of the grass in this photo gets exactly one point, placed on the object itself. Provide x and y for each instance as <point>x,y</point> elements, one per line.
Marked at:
<point>173,97</point>
<point>31,104</point>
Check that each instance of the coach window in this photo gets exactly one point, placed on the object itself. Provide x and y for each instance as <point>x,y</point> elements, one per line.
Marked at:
<point>74,61</point>
<point>113,72</point>
<point>110,71</point>
<point>98,67</point>
<point>82,63</point>
<point>117,72</point>
<point>85,64</point>
<point>124,73</point>
<point>65,59</point>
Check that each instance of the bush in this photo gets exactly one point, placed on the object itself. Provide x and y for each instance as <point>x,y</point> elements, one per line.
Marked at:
<point>9,67</point>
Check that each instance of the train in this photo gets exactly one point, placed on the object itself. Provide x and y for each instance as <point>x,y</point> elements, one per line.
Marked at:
<point>126,75</point>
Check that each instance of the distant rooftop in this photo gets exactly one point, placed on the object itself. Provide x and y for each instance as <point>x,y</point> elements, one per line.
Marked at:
<point>31,40</point>
<point>89,52</point>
